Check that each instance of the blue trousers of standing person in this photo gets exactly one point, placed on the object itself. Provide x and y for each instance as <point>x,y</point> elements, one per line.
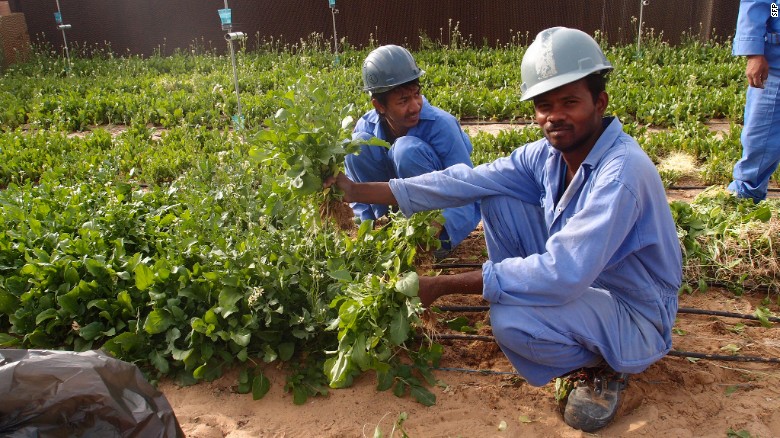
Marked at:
<point>549,340</point>
<point>760,141</point>
<point>409,156</point>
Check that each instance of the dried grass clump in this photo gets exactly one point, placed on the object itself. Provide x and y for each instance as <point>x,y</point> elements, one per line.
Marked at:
<point>744,257</point>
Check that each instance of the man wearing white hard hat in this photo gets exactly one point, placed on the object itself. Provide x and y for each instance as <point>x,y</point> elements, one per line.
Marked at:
<point>585,263</point>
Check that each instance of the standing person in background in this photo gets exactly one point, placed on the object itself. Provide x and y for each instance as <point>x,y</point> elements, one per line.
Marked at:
<point>585,263</point>
<point>424,138</point>
<point>758,38</point>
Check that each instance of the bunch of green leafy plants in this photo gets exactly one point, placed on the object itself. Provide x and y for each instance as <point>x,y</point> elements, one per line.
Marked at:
<point>306,138</point>
<point>185,256</point>
<point>729,241</point>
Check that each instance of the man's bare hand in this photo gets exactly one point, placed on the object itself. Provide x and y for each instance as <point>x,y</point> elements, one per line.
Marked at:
<point>343,183</point>
<point>428,292</point>
<point>757,70</point>
<point>366,192</point>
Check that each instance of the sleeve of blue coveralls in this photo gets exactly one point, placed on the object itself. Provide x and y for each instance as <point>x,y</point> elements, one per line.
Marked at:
<point>460,184</point>
<point>574,257</point>
<point>751,27</point>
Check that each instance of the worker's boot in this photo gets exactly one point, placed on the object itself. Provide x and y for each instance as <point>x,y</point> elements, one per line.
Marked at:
<point>590,397</point>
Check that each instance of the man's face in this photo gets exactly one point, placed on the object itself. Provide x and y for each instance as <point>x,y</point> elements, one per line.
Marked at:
<point>402,109</point>
<point>569,117</point>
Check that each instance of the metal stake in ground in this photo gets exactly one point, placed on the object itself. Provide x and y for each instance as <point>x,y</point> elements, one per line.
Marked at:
<point>225,15</point>
<point>333,12</point>
<point>63,27</point>
<point>642,4</point>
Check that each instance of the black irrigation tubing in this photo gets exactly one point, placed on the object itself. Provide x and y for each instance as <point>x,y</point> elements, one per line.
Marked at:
<point>722,357</point>
<point>688,310</point>
<point>726,314</point>
<point>690,354</point>
<point>456,265</point>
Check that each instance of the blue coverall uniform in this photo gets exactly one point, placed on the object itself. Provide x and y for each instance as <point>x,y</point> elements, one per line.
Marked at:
<point>574,276</point>
<point>435,143</point>
<point>758,33</point>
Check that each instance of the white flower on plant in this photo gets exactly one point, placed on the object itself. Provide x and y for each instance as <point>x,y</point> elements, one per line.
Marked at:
<point>257,292</point>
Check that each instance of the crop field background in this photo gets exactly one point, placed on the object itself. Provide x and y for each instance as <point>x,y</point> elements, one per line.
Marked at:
<point>137,219</point>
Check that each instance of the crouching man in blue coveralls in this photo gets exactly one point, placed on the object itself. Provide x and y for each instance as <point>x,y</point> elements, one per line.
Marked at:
<point>758,38</point>
<point>424,138</point>
<point>585,263</point>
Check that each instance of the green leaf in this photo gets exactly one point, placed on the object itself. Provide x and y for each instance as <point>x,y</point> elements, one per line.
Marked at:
<point>346,122</point>
<point>8,303</point>
<point>341,275</point>
<point>763,314</point>
<point>359,353</point>
<point>399,390</point>
<point>124,343</point>
<point>144,277</point>
<point>124,299</point>
<point>286,350</point>
<point>270,354</point>
<point>241,337</point>
<point>339,370</point>
<point>91,330</point>
<point>228,299</point>
<point>457,323</point>
<point>158,321</point>
<point>244,382</point>
<point>71,275</point>
<point>45,315</point>
<point>69,302</point>
<point>423,396</point>
<point>399,328</point>
<point>300,394</point>
<point>159,362</point>
<point>201,371</point>
<point>385,380</point>
<point>409,285</point>
<point>7,341</point>
<point>260,386</point>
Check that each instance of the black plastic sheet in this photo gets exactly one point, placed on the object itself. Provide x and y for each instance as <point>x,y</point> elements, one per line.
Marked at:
<point>45,393</point>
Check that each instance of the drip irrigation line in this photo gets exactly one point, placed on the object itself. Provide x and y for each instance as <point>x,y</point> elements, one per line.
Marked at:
<point>687,310</point>
<point>723,357</point>
<point>462,337</point>
<point>694,311</point>
<point>484,372</point>
<point>455,265</point>
<point>691,354</point>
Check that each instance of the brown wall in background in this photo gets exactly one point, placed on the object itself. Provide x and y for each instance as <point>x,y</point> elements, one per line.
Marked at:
<point>14,39</point>
<point>143,26</point>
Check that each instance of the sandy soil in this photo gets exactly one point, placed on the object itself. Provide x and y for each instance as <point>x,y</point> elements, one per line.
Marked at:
<point>481,396</point>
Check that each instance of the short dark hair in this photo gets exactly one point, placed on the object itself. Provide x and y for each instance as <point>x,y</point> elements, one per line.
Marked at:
<point>597,83</point>
<point>382,97</point>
